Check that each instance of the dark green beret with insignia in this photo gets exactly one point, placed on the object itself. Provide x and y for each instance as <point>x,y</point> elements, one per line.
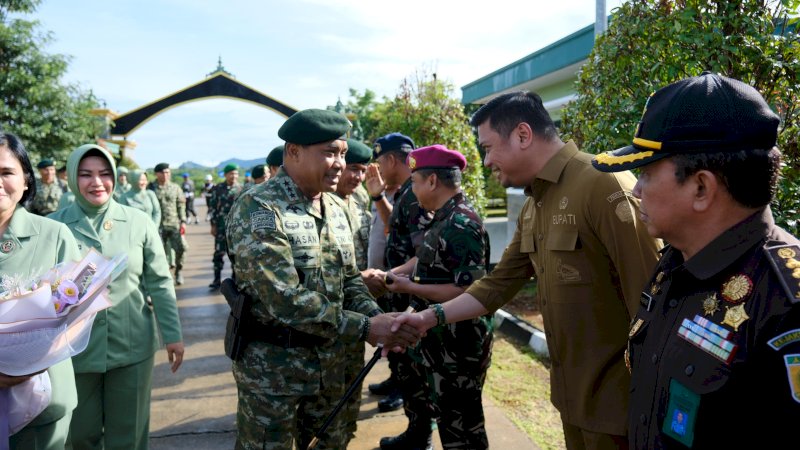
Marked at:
<point>230,168</point>
<point>275,157</point>
<point>258,171</point>
<point>160,167</point>
<point>45,163</point>
<point>357,152</point>
<point>312,126</point>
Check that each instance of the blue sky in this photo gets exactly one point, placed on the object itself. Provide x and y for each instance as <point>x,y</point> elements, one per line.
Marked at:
<point>306,53</point>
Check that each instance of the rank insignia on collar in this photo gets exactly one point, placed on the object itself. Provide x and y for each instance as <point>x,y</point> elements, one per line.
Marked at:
<point>660,277</point>
<point>735,316</point>
<point>711,304</point>
<point>737,288</point>
<point>7,246</point>
<point>638,324</point>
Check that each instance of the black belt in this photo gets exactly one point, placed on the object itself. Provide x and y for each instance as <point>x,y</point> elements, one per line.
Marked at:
<point>283,336</point>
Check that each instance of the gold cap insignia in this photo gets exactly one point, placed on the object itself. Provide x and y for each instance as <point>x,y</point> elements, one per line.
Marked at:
<point>737,288</point>
<point>108,225</point>
<point>412,163</point>
<point>377,149</point>
<point>735,316</point>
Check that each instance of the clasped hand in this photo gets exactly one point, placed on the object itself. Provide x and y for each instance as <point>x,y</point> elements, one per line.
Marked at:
<point>380,332</point>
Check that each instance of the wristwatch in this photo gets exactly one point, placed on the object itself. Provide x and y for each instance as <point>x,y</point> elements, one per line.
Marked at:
<point>377,198</point>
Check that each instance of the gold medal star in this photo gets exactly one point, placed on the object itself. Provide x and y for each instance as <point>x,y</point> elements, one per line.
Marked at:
<point>735,316</point>
<point>711,304</point>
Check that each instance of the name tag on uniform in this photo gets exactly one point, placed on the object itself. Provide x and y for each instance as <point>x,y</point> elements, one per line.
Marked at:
<point>681,413</point>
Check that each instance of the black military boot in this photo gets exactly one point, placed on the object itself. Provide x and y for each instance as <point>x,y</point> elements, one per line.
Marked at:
<point>385,387</point>
<point>411,439</point>
<point>393,401</point>
<point>216,283</point>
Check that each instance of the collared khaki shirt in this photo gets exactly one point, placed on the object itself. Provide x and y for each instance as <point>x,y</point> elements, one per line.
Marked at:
<point>579,233</point>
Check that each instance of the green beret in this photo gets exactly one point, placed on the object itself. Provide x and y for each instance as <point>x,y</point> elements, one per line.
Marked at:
<point>45,163</point>
<point>312,126</point>
<point>160,167</point>
<point>258,171</point>
<point>122,169</point>
<point>275,157</point>
<point>357,152</point>
<point>230,168</point>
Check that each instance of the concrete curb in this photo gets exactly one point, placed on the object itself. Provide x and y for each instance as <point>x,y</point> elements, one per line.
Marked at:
<point>521,331</point>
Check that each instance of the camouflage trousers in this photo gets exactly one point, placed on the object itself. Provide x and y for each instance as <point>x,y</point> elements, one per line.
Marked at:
<point>284,398</point>
<point>413,378</point>
<point>354,362</point>
<point>220,250</point>
<point>174,246</point>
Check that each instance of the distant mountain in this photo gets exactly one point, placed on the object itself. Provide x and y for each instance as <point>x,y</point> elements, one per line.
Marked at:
<point>244,164</point>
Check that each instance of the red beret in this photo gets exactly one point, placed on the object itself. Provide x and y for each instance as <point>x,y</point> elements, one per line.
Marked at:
<point>436,157</point>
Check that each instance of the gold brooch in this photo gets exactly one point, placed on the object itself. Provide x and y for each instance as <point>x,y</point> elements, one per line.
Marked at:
<point>735,316</point>
<point>737,288</point>
<point>711,304</point>
<point>108,225</point>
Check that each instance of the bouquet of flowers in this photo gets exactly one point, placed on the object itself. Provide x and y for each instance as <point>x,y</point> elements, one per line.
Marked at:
<point>44,321</point>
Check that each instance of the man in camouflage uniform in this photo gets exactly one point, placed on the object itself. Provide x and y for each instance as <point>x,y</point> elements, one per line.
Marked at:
<point>356,204</point>
<point>275,160</point>
<point>295,260</point>
<point>453,254</point>
<point>219,204</point>
<point>173,218</point>
<point>121,186</point>
<point>406,227</point>
<point>48,191</point>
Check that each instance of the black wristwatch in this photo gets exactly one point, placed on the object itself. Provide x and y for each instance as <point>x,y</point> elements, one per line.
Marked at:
<point>377,198</point>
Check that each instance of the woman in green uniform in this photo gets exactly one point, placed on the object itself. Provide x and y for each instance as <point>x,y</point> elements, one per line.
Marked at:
<point>141,198</point>
<point>30,244</point>
<point>113,375</point>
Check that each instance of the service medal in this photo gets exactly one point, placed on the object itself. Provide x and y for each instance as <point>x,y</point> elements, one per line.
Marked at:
<point>108,225</point>
<point>737,288</point>
<point>711,304</point>
<point>735,316</point>
<point>7,246</point>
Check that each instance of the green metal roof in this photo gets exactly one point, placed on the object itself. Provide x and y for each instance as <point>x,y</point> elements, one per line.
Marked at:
<point>561,54</point>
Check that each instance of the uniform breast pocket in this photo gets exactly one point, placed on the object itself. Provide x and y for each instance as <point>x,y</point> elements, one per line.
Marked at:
<point>696,368</point>
<point>569,261</point>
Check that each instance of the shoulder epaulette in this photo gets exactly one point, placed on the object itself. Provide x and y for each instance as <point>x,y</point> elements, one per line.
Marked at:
<point>784,261</point>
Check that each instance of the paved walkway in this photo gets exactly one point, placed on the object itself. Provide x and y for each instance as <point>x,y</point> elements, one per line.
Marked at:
<point>195,408</point>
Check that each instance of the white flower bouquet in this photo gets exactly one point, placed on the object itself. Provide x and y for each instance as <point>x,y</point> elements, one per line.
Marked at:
<point>45,321</point>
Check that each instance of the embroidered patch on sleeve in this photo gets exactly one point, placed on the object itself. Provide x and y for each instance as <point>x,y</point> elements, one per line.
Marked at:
<point>262,220</point>
<point>778,342</point>
<point>793,370</point>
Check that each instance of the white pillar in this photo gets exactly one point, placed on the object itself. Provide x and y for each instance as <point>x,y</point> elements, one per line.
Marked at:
<point>601,18</point>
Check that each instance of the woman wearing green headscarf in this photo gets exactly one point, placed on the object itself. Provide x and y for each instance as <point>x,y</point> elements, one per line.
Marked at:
<point>141,198</point>
<point>29,245</point>
<point>113,375</point>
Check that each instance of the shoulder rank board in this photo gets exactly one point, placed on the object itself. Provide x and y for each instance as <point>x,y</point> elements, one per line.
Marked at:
<point>785,263</point>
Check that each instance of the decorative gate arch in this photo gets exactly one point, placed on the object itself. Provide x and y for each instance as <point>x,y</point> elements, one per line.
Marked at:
<point>218,84</point>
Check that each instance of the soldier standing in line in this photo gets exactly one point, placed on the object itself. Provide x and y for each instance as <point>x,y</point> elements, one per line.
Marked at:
<point>406,224</point>
<point>453,254</point>
<point>357,158</point>
<point>48,191</point>
<point>173,218</point>
<point>219,205</point>
<point>122,184</point>
<point>295,260</point>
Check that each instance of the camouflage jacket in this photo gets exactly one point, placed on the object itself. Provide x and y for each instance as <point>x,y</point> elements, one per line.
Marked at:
<point>406,226</point>
<point>221,201</point>
<point>297,263</point>
<point>46,199</point>
<point>455,249</point>
<point>173,206</point>
<point>360,219</point>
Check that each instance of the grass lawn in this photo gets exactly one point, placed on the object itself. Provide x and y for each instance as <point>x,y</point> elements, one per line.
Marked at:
<point>519,382</point>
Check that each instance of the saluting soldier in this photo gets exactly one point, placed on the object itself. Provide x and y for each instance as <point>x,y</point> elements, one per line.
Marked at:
<point>715,346</point>
<point>29,245</point>
<point>295,259</point>
<point>219,204</point>
<point>173,218</point>
<point>454,253</point>
<point>48,190</point>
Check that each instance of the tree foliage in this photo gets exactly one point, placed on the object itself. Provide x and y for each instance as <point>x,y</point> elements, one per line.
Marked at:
<point>49,116</point>
<point>651,43</point>
<point>426,110</point>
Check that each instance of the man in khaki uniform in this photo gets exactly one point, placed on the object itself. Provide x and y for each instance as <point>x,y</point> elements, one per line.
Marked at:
<point>579,232</point>
<point>48,190</point>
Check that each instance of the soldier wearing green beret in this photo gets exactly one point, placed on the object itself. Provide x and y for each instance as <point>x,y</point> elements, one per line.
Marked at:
<point>275,160</point>
<point>173,218</point>
<point>122,185</point>
<point>295,260</point>
<point>48,191</point>
<point>219,204</point>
